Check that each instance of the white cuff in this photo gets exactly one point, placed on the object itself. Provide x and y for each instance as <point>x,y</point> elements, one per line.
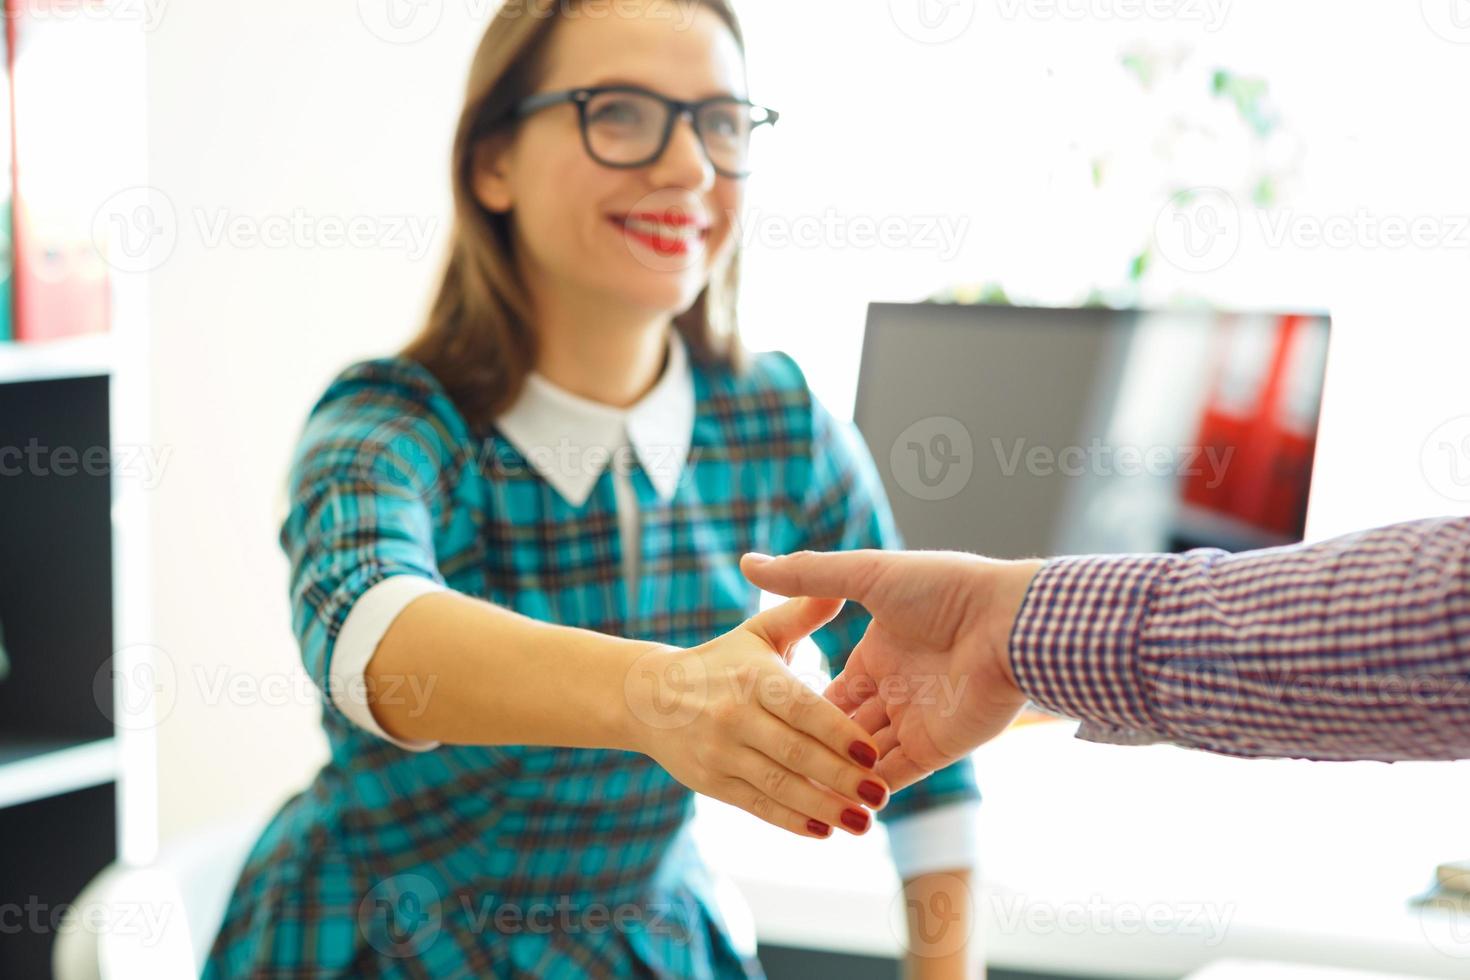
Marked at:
<point>946,838</point>
<point>367,623</point>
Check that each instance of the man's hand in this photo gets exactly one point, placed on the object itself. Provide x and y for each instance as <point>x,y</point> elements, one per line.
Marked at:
<point>931,679</point>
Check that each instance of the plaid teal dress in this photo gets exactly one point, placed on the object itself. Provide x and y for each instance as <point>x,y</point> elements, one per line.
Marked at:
<point>523,861</point>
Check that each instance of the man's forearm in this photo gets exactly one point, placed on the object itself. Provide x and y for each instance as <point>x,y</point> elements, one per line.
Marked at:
<point>1355,648</point>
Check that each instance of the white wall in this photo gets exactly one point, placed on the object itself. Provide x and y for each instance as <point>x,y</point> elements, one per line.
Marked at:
<point>258,110</point>
<point>266,111</point>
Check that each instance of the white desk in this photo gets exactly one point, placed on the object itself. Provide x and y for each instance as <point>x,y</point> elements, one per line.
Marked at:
<point>1147,862</point>
<point>1254,970</point>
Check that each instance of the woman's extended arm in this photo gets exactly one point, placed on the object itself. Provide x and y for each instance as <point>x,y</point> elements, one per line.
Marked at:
<point>726,718</point>
<point>456,669</point>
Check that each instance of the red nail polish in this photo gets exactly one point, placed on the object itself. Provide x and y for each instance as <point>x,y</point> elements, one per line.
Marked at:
<point>863,754</point>
<point>818,828</point>
<point>855,819</point>
<point>871,792</point>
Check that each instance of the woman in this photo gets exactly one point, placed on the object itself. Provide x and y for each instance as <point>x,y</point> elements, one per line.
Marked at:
<point>511,546</point>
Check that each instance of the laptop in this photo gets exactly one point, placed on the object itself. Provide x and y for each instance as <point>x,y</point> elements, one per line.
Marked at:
<point>1020,431</point>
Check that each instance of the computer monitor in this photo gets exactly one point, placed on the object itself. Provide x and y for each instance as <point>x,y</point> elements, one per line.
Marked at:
<point>1015,431</point>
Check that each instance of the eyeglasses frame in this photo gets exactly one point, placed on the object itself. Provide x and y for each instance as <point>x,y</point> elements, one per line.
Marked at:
<point>678,109</point>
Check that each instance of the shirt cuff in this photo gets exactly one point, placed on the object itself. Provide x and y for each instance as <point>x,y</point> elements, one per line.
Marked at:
<point>366,625</point>
<point>1074,647</point>
<point>946,838</point>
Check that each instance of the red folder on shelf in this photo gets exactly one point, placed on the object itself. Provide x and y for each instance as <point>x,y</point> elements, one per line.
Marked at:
<point>7,189</point>
<point>59,75</point>
<point>1258,411</point>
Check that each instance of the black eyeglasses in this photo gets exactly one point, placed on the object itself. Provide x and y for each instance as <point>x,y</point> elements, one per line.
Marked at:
<point>624,126</point>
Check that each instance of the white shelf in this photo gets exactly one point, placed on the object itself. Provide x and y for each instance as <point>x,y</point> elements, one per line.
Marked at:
<point>49,360</point>
<point>35,769</point>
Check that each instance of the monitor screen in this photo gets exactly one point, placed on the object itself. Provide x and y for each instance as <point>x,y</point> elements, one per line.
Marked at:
<point>1016,431</point>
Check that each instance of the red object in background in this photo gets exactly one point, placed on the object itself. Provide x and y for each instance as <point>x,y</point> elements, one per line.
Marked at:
<point>1255,411</point>
<point>61,282</point>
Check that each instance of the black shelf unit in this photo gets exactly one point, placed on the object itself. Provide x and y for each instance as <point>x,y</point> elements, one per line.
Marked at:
<point>59,771</point>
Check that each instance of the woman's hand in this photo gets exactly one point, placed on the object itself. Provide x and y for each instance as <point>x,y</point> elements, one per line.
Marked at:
<point>730,720</point>
<point>932,675</point>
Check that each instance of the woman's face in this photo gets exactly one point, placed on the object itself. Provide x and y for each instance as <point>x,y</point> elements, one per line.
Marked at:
<point>571,215</point>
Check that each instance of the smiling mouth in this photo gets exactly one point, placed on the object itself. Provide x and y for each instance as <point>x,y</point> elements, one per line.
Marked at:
<point>667,234</point>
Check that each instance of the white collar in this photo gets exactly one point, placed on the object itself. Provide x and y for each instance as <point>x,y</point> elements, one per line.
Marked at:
<point>569,440</point>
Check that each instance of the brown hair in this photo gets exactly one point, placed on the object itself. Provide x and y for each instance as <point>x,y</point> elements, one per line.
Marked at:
<point>479,341</point>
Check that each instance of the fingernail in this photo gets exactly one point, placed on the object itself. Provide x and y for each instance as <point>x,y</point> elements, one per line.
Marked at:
<point>855,820</point>
<point>818,828</point>
<point>863,754</point>
<point>756,558</point>
<point>871,792</point>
